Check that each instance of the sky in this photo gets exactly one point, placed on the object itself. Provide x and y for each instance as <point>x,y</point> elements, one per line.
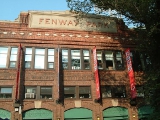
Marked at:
<point>10,9</point>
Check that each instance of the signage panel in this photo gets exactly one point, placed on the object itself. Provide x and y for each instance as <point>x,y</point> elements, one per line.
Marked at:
<point>70,22</point>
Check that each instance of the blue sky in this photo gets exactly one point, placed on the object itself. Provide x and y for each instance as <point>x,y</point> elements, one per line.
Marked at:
<point>10,9</point>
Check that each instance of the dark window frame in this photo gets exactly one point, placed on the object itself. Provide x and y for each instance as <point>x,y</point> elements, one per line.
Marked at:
<point>83,64</point>
<point>77,94</point>
<point>8,57</point>
<point>113,91</point>
<point>6,95</point>
<point>140,91</point>
<point>46,60</point>
<point>103,64</point>
<point>34,92</point>
<point>140,61</point>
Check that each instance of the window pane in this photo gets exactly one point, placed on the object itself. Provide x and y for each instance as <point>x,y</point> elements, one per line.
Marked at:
<point>50,65</point>
<point>64,52</point>
<point>40,51</point>
<point>75,52</point>
<point>13,58</point>
<point>86,59</point>
<point>14,50</point>
<point>12,64</point>
<point>46,90</point>
<point>50,51</point>
<point>106,91</point>
<point>119,91</point>
<point>3,60</point>
<point>39,62</point>
<point>118,54</point>
<point>27,65</point>
<point>109,60</point>
<point>64,58</point>
<point>109,55</point>
<point>30,90</point>
<point>86,66</point>
<point>65,65</point>
<point>140,91</point>
<point>99,60</point>
<point>3,50</point>
<point>46,93</point>
<point>28,50</point>
<point>119,63</point>
<point>85,52</point>
<point>84,92</point>
<point>6,90</point>
<point>28,57</point>
<point>50,58</point>
<point>69,92</point>
<point>76,63</point>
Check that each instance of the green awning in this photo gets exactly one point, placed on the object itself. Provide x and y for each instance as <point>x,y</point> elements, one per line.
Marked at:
<point>115,113</point>
<point>144,111</point>
<point>78,114</point>
<point>37,114</point>
<point>5,114</point>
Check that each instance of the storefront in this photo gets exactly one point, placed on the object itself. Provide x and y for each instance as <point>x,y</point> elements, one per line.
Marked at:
<point>78,114</point>
<point>115,113</point>
<point>38,114</point>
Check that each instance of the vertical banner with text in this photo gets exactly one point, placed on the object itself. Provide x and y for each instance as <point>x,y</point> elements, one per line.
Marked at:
<point>130,73</point>
<point>96,73</point>
<point>18,71</point>
<point>58,74</point>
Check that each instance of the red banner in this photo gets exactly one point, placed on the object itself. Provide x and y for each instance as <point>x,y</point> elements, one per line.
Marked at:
<point>130,74</point>
<point>18,71</point>
<point>58,75</point>
<point>96,73</point>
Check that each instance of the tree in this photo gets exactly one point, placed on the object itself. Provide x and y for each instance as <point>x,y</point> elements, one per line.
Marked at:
<point>144,14</point>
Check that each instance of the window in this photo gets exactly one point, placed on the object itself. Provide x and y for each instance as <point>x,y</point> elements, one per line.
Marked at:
<point>86,59</point>
<point>5,92</point>
<point>140,61</point>
<point>140,91</point>
<point>65,59</point>
<point>118,91</point>
<point>77,92</point>
<point>84,92</point>
<point>39,58</point>
<point>8,57</point>
<point>46,93</point>
<point>69,92</point>
<point>109,60</point>
<point>38,92</point>
<point>76,59</point>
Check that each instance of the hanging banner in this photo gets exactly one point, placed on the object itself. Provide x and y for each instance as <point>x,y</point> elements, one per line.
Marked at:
<point>58,75</point>
<point>18,71</point>
<point>130,74</point>
<point>96,73</point>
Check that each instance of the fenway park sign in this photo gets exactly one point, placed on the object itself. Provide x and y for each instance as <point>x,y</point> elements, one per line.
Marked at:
<point>63,20</point>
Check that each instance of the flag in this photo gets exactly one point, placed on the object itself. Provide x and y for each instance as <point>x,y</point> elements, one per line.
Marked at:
<point>130,74</point>
<point>96,73</point>
<point>18,71</point>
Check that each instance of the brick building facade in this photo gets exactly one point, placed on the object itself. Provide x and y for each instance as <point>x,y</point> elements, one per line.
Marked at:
<point>47,69</point>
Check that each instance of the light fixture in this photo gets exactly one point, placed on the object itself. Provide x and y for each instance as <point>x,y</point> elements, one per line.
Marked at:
<point>58,118</point>
<point>98,118</point>
<point>16,109</point>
